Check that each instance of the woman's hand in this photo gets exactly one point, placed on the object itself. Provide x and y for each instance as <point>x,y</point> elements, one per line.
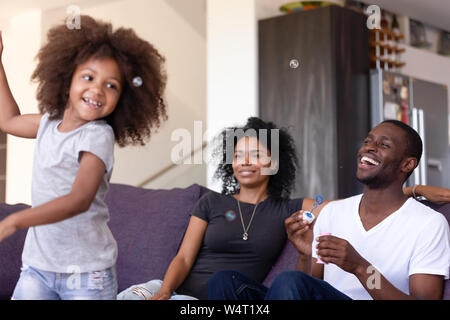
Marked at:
<point>299,232</point>
<point>161,295</point>
<point>433,194</point>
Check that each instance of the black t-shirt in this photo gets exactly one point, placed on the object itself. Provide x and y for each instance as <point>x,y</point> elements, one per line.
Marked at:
<point>223,247</point>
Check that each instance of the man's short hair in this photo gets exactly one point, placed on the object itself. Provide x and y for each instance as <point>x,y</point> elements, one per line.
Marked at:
<point>413,141</point>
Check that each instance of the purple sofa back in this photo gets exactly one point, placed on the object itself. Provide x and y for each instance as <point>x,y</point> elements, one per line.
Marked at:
<point>147,224</point>
<point>10,253</point>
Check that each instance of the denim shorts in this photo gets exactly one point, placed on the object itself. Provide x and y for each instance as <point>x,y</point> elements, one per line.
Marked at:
<point>35,284</point>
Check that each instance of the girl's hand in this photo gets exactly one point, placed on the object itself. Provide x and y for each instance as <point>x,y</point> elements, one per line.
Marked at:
<point>7,228</point>
<point>161,295</point>
<point>299,232</point>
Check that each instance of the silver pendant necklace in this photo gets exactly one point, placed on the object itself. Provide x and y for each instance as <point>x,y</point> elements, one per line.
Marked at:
<point>245,234</point>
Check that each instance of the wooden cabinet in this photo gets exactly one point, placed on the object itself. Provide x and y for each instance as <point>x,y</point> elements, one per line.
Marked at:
<point>324,99</point>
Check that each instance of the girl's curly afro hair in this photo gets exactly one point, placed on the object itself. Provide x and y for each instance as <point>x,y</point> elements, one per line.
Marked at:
<point>281,183</point>
<point>139,109</point>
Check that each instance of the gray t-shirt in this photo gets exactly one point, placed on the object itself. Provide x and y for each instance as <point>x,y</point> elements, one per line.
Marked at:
<point>223,247</point>
<point>84,242</point>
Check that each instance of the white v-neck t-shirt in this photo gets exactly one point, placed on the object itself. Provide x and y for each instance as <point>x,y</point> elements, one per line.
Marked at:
<point>414,239</point>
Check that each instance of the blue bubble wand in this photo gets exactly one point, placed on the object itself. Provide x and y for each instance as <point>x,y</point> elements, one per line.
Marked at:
<point>308,216</point>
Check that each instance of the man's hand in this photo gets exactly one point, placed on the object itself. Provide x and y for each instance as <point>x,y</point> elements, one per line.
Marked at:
<point>299,232</point>
<point>341,253</point>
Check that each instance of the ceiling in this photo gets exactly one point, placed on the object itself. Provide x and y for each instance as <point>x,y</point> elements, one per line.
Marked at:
<point>432,12</point>
<point>9,8</point>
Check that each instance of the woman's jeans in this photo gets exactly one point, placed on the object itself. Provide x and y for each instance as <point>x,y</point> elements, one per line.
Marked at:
<point>36,284</point>
<point>288,285</point>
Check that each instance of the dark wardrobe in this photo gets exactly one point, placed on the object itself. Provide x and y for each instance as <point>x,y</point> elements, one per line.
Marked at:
<point>314,80</point>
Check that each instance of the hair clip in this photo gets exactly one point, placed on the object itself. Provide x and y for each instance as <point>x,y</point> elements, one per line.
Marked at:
<point>137,81</point>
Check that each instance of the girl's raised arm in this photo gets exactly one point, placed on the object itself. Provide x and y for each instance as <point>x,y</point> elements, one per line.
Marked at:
<point>11,121</point>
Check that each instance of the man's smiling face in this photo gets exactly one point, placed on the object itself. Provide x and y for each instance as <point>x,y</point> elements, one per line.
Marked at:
<point>381,155</point>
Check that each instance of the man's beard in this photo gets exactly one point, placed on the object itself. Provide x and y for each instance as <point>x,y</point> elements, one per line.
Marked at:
<point>382,179</point>
<point>375,182</point>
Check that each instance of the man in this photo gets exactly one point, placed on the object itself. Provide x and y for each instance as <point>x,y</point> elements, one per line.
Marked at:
<point>383,245</point>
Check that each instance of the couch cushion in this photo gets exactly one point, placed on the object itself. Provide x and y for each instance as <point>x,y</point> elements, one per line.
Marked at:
<point>148,226</point>
<point>445,210</point>
<point>10,254</point>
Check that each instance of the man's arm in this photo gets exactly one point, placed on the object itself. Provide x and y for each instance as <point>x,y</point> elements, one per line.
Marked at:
<point>340,252</point>
<point>421,286</point>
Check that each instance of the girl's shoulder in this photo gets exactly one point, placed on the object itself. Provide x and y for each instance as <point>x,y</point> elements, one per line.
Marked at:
<point>99,128</point>
<point>99,124</point>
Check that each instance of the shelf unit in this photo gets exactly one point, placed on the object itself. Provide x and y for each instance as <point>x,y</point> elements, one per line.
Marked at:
<point>385,49</point>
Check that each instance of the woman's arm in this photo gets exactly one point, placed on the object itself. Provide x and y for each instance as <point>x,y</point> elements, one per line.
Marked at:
<point>433,194</point>
<point>184,260</point>
<point>84,189</point>
<point>11,121</point>
<point>308,205</point>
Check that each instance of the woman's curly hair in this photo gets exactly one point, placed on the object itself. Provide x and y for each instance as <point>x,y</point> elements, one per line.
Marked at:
<point>281,183</point>
<point>139,109</point>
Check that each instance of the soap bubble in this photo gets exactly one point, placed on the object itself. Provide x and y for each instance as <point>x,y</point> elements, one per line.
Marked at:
<point>137,81</point>
<point>294,64</point>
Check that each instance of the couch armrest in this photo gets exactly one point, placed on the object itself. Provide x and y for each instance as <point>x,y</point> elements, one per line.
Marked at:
<point>10,253</point>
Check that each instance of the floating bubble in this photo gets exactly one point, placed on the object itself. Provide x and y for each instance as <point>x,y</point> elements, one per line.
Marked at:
<point>137,81</point>
<point>294,64</point>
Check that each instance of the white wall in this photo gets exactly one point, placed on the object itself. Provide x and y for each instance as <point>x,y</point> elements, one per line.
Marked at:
<point>428,66</point>
<point>185,50</point>
<point>232,67</point>
<point>174,31</point>
<point>22,40</point>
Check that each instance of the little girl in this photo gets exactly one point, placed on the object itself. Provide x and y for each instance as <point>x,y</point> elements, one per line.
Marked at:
<point>96,87</point>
